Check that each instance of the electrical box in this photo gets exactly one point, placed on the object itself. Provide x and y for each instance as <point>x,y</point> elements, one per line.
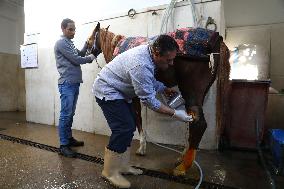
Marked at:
<point>247,107</point>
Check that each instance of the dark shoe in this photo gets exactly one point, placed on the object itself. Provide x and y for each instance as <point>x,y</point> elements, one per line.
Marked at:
<point>66,151</point>
<point>73,142</point>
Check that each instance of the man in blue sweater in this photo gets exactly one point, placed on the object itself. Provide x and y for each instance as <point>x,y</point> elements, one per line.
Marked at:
<point>68,62</point>
<point>128,75</point>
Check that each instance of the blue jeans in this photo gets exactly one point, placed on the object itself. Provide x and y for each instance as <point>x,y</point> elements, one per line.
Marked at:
<point>120,117</point>
<point>68,96</point>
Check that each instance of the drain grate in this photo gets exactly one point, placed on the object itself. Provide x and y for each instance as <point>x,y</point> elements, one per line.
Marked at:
<point>50,148</point>
<point>148,172</point>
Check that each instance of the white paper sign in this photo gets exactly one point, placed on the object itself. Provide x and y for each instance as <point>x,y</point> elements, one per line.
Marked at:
<point>29,56</point>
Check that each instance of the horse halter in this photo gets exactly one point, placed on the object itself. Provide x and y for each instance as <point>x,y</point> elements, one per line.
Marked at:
<point>97,43</point>
<point>94,48</point>
<point>97,40</point>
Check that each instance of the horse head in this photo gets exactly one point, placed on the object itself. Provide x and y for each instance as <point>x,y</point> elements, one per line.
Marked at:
<point>93,46</point>
<point>102,40</point>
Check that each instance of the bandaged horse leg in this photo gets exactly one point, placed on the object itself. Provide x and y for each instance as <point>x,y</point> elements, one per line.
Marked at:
<point>186,163</point>
<point>179,160</point>
<point>196,132</point>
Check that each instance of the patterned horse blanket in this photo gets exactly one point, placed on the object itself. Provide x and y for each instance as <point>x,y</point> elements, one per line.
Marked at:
<point>193,42</point>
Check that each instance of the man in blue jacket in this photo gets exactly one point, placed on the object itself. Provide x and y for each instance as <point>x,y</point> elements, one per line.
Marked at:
<point>68,62</point>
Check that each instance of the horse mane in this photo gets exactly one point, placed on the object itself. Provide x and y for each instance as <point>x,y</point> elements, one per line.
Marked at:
<point>108,41</point>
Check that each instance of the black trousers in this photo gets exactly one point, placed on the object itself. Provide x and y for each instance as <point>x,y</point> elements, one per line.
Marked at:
<point>120,117</point>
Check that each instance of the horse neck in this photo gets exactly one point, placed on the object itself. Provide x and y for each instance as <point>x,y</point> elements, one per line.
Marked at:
<point>107,44</point>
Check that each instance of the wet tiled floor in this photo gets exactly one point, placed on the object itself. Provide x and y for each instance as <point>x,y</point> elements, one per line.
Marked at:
<point>26,167</point>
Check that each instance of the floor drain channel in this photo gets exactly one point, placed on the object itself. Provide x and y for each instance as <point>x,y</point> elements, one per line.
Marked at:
<point>50,148</point>
<point>151,173</point>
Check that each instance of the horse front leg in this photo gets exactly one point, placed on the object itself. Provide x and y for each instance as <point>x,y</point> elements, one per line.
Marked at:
<point>142,135</point>
<point>196,131</point>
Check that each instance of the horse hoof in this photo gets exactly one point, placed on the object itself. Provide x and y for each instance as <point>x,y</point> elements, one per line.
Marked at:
<point>178,173</point>
<point>180,170</point>
<point>141,152</point>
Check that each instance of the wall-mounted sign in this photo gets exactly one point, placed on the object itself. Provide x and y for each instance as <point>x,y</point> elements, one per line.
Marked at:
<point>29,58</point>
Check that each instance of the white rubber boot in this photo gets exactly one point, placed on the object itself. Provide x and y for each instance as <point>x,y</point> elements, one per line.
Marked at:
<point>112,166</point>
<point>142,149</point>
<point>126,168</point>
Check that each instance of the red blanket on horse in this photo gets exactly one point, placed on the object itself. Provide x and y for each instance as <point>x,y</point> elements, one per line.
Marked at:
<point>193,42</point>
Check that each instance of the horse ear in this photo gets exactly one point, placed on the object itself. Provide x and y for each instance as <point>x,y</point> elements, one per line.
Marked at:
<point>98,26</point>
<point>107,27</point>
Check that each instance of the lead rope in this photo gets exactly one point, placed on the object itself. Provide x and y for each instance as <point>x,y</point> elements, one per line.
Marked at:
<point>98,63</point>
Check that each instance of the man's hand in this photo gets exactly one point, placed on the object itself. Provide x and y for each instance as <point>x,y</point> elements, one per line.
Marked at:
<point>169,92</point>
<point>194,111</point>
<point>181,115</point>
<point>92,57</point>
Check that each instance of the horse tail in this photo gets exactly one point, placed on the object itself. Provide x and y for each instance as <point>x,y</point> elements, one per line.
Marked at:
<point>223,89</point>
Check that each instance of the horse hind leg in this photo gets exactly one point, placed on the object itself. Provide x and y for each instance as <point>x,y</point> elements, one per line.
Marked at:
<point>142,135</point>
<point>142,148</point>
